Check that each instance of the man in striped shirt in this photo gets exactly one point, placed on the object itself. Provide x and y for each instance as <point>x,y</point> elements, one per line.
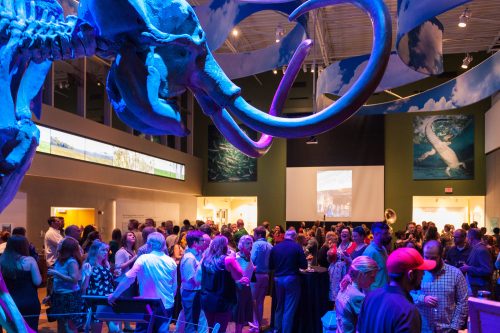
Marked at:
<point>442,299</point>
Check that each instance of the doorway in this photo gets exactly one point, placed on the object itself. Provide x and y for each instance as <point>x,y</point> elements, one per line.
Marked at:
<point>75,215</point>
<point>227,210</point>
<point>453,210</point>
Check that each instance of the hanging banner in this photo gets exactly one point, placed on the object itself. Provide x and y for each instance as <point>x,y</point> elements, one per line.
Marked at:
<point>419,35</point>
<point>338,78</point>
<point>419,50</point>
<point>218,18</point>
<point>474,85</point>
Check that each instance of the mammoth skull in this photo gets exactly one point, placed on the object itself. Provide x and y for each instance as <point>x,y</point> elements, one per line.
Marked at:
<point>161,51</point>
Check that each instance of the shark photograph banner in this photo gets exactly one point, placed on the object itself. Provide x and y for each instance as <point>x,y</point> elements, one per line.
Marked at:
<point>443,147</point>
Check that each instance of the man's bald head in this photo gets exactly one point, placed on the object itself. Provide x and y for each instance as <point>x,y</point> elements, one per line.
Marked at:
<point>434,244</point>
<point>433,250</point>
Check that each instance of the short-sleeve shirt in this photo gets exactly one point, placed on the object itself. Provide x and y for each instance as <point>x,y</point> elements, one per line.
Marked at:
<point>60,285</point>
<point>157,277</point>
<point>379,254</point>
<point>190,271</point>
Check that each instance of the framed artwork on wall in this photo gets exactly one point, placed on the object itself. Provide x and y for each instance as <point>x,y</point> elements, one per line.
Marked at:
<point>226,163</point>
<point>443,147</point>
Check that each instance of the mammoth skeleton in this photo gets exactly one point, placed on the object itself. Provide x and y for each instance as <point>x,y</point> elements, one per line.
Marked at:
<point>159,51</point>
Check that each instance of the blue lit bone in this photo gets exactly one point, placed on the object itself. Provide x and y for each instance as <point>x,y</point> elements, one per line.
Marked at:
<point>160,51</point>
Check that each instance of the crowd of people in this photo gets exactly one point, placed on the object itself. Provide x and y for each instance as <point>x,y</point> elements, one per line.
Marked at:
<point>205,276</point>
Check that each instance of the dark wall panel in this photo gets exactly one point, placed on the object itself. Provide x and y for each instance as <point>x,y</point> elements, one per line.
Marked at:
<point>359,141</point>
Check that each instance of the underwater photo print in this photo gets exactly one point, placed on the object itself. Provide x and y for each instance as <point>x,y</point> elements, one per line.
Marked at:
<point>226,163</point>
<point>443,147</point>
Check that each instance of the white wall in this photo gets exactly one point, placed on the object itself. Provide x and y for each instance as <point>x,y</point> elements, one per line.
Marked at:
<point>492,125</point>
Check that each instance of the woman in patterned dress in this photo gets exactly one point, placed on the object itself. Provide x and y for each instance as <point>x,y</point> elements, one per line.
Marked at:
<point>66,301</point>
<point>98,280</point>
<point>341,257</point>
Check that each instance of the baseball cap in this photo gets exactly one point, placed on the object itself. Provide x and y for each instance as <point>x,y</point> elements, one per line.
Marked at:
<point>406,259</point>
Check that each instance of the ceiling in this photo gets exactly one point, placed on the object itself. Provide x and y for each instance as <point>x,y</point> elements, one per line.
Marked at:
<point>344,31</point>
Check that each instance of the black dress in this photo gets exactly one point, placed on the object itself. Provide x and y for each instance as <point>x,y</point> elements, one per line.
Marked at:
<point>218,289</point>
<point>25,295</point>
<point>101,282</point>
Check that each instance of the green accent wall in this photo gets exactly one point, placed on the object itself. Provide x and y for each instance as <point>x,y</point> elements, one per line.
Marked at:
<point>271,175</point>
<point>399,184</point>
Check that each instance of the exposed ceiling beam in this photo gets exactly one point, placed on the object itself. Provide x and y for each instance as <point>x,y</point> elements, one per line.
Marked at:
<point>321,35</point>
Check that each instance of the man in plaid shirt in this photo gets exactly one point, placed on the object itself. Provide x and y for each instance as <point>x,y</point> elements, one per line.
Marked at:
<point>442,300</point>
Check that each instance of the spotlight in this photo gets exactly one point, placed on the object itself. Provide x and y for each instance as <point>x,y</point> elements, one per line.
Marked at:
<point>283,69</point>
<point>313,140</point>
<point>98,83</point>
<point>280,32</point>
<point>235,32</point>
<point>466,62</point>
<point>464,18</point>
<point>275,71</point>
<point>312,68</point>
<point>304,68</point>
<point>60,85</point>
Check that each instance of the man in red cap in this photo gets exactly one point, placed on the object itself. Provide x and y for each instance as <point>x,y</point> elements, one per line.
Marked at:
<point>391,309</point>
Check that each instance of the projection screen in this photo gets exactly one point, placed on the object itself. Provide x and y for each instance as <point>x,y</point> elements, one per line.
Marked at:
<point>350,193</point>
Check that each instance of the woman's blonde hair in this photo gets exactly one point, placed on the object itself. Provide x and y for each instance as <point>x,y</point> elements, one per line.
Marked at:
<point>215,254</point>
<point>94,251</point>
<point>362,264</point>
<point>243,239</point>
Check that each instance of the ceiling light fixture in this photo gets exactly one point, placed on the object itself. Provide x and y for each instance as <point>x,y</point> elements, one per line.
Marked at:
<point>283,69</point>
<point>312,68</point>
<point>280,32</point>
<point>304,68</point>
<point>466,62</point>
<point>235,32</point>
<point>275,71</point>
<point>464,18</point>
<point>313,140</point>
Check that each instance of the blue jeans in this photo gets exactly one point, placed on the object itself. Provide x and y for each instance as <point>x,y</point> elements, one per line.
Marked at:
<point>288,296</point>
<point>259,290</point>
<point>161,323</point>
<point>191,303</point>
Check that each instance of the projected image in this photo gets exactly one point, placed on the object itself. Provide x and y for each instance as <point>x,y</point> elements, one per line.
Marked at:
<point>60,143</point>
<point>67,145</point>
<point>98,152</point>
<point>44,145</point>
<point>334,193</point>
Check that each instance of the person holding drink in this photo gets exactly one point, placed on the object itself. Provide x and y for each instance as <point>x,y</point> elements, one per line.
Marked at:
<point>340,258</point>
<point>442,298</point>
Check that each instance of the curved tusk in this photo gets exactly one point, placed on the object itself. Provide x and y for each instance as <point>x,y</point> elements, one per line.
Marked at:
<point>231,130</point>
<point>348,104</point>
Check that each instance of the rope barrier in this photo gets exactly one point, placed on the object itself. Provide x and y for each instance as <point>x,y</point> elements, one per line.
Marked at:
<point>44,314</point>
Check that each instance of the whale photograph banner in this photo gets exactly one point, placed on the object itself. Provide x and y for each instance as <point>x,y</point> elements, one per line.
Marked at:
<point>443,147</point>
